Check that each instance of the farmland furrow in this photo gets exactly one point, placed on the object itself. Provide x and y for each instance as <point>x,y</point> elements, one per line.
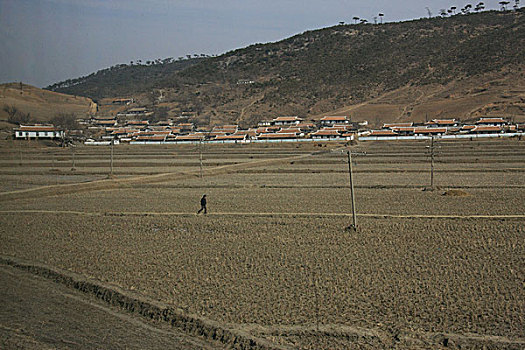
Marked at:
<point>268,214</point>
<point>118,183</point>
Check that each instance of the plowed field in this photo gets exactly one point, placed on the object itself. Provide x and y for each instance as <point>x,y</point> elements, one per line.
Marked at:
<point>274,257</point>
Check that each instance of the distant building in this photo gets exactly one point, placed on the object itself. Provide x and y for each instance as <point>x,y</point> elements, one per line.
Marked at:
<point>395,125</point>
<point>122,101</point>
<point>135,112</point>
<point>491,121</point>
<point>38,132</point>
<point>326,134</point>
<point>286,121</point>
<point>442,123</point>
<point>332,120</point>
<point>104,121</point>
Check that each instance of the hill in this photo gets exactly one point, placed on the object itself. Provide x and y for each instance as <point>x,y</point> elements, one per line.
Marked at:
<point>459,66</point>
<point>41,105</point>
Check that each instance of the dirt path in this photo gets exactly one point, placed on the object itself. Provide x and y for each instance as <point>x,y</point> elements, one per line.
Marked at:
<point>368,215</point>
<point>121,183</point>
<point>37,313</point>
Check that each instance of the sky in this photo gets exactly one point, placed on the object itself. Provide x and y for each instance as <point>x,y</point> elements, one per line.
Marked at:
<point>47,41</point>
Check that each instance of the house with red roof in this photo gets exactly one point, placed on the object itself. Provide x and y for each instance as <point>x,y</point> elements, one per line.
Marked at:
<point>287,120</point>
<point>442,123</point>
<point>429,131</point>
<point>487,129</point>
<point>38,131</point>
<point>491,121</point>
<point>327,133</point>
<point>332,120</point>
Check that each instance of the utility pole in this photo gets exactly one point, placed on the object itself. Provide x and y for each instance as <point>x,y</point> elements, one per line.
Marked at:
<point>20,152</point>
<point>72,157</point>
<point>432,163</point>
<point>354,222</point>
<point>432,149</point>
<point>111,161</point>
<point>200,157</point>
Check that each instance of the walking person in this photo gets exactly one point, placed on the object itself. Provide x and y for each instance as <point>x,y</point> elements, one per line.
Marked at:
<point>203,205</point>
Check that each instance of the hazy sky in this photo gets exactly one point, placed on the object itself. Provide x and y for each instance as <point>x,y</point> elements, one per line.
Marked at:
<point>46,41</point>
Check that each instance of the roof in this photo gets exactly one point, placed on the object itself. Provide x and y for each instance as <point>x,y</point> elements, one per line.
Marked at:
<point>430,130</point>
<point>443,121</point>
<point>104,118</point>
<point>403,128</point>
<point>392,125</point>
<point>287,119</point>
<point>121,131</point>
<point>190,137</point>
<point>337,127</point>
<point>106,122</point>
<point>487,128</point>
<point>326,133</point>
<point>231,137</point>
<point>490,120</point>
<point>382,133</point>
<point>289,131</point>
<point>151,137</point>
<point>468,127</point>
<point>334,118</point>
<point>137,122</point>
<point>37,128</point>
<point>276,136</point>
<point>158,132</point>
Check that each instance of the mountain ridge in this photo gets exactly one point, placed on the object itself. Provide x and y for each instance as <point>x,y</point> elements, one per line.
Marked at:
<point>326,70</point>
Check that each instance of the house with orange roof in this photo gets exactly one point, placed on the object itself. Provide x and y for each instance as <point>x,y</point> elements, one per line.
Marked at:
<point>189,138</point>
<point>327,133</point>
<point>231,138</point>
<point>276,136</point>
<point>395,125</point>
<point>287,120</point>
<point>135,112</point>
<point>332,120</point>
<point>104,122</point>
<point>442,123</point>
<point>382,133</point>
<point>491,121</point>
<point>38,131</point>
<point>487,129</point>
<point>429,131</point>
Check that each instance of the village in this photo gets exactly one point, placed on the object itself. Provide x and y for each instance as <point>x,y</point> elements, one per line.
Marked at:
<point>133,127</point>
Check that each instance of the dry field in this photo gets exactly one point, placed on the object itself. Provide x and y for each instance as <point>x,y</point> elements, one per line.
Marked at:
<point>426,269</point>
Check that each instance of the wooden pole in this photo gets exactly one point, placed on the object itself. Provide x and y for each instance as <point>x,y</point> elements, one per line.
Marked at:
<point>72,157</point>
<point>20,152</point>
<point>432,163</point>
<point>111,162</point>
<point>354,219</point>
<point>200,157</point>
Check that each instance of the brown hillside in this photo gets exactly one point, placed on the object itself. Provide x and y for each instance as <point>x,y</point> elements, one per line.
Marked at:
<point>43,105</point>
<point>499,94</point>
